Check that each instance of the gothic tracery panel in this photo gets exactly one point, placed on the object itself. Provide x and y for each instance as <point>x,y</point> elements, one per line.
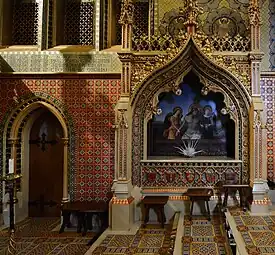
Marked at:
<point>25,23</point>
<point>79,23</point>
<point>141,18</point>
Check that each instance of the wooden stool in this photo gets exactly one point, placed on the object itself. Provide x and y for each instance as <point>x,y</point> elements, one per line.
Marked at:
<point>242,188</point>
<point>199,194</point>
<point>156,203</point>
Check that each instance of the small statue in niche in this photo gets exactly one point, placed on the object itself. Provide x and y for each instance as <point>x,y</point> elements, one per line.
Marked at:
<point>207,124</point>
<point>172,123</point>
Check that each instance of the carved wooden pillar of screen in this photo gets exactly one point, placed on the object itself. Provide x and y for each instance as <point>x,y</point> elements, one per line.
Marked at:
<point>258,139</point>
<point>1,21</point>
<point>43,17</point>
<point>151,17</point>
<point>122,212</point>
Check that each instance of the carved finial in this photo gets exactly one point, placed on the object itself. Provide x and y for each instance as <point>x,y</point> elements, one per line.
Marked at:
<point>192,11</point>
<point>127,12</point>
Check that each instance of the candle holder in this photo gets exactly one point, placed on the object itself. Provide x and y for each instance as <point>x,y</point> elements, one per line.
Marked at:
<point>10,181</point>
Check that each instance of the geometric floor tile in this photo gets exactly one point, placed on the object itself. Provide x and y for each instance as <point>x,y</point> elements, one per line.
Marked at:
<point>35,236</point>
<point>203,237</point>
<point>202,230</point>
<point>258,233</point>
<point>263,238</point>
<point>204,248</point>
<point>151,240</point>
<point>121,241</point>
<point>255,220</point>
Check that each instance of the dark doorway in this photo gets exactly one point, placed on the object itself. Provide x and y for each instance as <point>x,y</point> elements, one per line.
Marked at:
<point>46,167</point>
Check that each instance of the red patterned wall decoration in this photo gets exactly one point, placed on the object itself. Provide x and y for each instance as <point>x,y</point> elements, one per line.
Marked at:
<point>268,95</point>
<point>90,103</point>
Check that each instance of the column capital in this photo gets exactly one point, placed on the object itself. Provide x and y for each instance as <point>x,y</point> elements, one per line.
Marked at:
<point>13,141</point>
<point>65,141</point>
<point>256,56</point>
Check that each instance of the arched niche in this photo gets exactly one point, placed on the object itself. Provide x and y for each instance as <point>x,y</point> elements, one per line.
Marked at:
<point>16,133</point>
<point>145,104</point>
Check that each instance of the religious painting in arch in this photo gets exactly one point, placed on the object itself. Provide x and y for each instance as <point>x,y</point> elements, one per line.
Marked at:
<point>191,124</point>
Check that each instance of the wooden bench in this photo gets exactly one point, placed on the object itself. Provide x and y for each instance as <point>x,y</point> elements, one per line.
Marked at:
<point>156,203</point>
<point>199,194</point>
<point>84,210</point>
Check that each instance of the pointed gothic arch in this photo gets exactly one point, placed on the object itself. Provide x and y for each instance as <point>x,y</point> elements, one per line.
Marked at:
<point>145,99</point>
<point>17,120</point>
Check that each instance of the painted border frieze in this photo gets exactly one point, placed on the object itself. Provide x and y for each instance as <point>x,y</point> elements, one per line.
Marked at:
<point>187,174</point>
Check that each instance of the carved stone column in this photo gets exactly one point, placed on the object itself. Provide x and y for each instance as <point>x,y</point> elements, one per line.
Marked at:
<point>65,198</point>
<point>122,206</point>
<point>258,139</point>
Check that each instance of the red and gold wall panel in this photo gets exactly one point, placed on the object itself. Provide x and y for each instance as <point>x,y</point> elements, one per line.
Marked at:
<point>90,104</point>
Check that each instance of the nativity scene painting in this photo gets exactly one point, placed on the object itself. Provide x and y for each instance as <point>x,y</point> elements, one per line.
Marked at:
<point>191,124</point>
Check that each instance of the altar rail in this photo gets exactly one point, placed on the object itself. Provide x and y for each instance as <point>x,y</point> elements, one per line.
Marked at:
<point>156,174</point>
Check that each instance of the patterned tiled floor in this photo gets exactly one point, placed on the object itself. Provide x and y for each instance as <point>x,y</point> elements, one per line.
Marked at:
<point>35,236</point>
<point>151,240</point>
<point>203,237</point>
<point>258,233</point>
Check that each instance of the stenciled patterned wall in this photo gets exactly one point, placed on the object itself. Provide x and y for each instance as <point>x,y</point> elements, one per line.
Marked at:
<point>272,34</point>
<point>90,104</point>
<point>268,95</point>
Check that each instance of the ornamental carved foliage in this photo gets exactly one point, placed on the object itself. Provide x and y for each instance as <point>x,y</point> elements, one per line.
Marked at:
<point>143,66</point>
<point>127,12</point>
<point>143,103</point>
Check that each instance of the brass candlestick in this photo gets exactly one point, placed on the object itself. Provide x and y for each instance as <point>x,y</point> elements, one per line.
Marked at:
<point>10,181</point>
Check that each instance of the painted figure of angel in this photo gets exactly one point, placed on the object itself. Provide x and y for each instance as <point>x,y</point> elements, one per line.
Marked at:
<point>172,124</point>
<point>207,123</point>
